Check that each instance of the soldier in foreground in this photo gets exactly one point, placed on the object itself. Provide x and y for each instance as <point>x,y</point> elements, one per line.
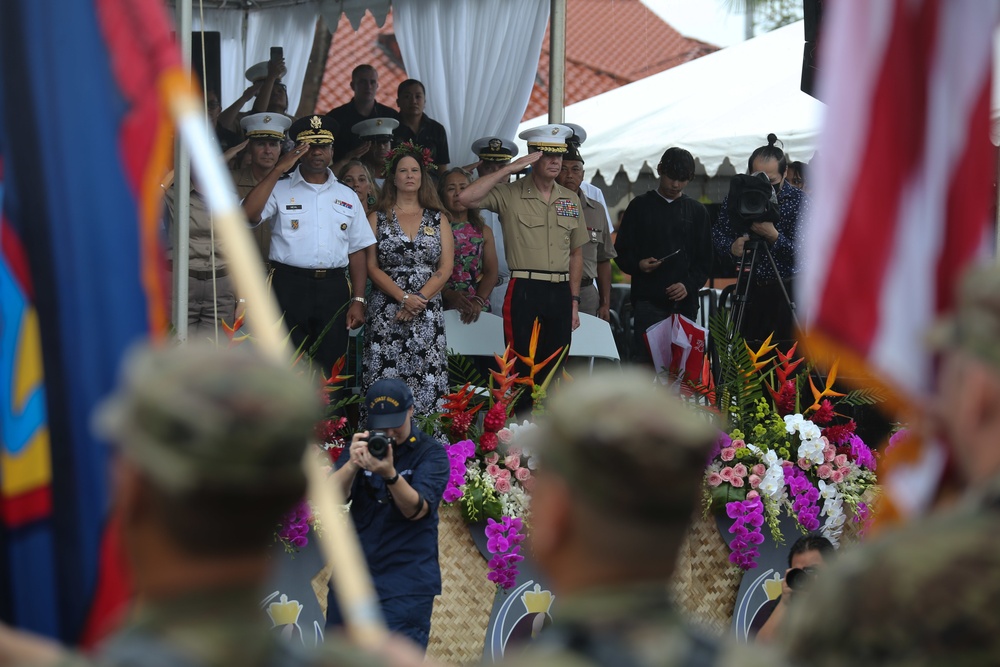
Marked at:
<point>619,473</point>
<point>209,445</point>
<point>928,593</point>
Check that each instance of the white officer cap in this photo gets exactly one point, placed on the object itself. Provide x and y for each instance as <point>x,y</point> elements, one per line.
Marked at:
<point>265,125</point>
<point>494,149</point>
<point>579,134</point>
<point>374,129</point>
<point>257,72</point>
<point>547,138</point>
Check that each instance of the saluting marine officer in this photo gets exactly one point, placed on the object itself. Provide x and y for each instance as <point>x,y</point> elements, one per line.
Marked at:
<point>544,233</point>
<point>319,233</point>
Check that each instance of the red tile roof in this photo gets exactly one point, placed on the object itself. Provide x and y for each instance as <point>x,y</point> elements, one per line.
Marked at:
<point>608,43</point>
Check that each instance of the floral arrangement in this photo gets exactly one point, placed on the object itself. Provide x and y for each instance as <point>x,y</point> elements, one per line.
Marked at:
<point>504,539</point>
<point>780,456</point>
<point>491,468</point>
<point>408,148</point>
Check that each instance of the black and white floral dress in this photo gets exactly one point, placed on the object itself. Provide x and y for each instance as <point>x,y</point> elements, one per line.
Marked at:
<point>413,351</point>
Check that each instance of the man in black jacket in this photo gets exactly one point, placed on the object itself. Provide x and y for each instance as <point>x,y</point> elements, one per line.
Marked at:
<point>665,244</point>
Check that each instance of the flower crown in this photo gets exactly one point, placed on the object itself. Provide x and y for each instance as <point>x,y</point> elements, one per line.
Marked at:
<point>408,148</point>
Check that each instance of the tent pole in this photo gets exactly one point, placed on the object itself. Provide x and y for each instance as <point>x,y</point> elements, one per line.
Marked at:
<point>557,60</point>
<point>182,188</point>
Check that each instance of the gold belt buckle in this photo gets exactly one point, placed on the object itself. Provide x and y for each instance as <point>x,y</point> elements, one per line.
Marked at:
<point>319,273</point>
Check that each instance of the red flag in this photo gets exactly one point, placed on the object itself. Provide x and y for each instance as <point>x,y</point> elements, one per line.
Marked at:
<point>904,178</point>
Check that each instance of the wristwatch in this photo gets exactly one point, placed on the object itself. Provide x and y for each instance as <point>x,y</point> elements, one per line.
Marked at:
<point>575,298</point>
<point>392,480</point>
<point>360,299</point>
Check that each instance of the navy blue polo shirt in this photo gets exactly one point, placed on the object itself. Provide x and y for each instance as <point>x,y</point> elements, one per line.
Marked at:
<point>402,555</point>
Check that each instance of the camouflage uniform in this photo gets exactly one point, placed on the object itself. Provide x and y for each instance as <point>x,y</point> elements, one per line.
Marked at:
<point>196,418</point>
<point>627,627</point>
<point>926,594</point>
<point>634,451</point>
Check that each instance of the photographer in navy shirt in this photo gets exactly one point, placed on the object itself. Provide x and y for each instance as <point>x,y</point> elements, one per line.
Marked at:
<point>395,488</point>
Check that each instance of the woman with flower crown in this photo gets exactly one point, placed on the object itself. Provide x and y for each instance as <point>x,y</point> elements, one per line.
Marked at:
<point>409,265</point>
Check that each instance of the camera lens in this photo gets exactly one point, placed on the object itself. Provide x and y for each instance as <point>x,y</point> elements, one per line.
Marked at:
<point>799,578</point>
<point>378,444</point>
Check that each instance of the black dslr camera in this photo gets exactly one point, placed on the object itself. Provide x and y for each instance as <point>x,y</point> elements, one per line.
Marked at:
<point>799,578</point>
<point>378,444</point>
<point>751,199</point>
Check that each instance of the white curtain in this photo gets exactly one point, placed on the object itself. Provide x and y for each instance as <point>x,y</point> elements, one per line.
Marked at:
<point>291,28</point>
<point>478,61</point>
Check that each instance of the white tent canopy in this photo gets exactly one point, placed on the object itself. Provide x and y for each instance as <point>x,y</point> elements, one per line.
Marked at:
<point>719,106</point>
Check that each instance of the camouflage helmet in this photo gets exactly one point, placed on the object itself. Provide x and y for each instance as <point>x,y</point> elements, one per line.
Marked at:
<point>199,416</point>
<point>626,445</point>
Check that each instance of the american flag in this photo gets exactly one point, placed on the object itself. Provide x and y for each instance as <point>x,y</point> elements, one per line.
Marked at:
<point>903,196</point>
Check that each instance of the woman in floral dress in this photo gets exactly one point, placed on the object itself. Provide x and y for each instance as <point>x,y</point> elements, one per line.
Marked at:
<point>409,265</point>
<point>476,268</point>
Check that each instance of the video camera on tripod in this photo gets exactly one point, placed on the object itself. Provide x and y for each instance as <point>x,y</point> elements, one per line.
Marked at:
<point>751,199</point>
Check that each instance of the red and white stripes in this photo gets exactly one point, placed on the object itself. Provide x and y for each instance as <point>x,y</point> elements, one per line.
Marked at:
<point>903,178</point>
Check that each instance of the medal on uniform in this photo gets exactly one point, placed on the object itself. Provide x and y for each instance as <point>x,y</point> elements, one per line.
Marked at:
<point>429,230</point>
<point>295,224</point>
<point>343,226</point>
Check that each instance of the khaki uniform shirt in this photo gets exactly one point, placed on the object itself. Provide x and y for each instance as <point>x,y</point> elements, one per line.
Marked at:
<point>599,247</point>
<point>245,182</point>
<point>200,240</point>
<point>538,235</point>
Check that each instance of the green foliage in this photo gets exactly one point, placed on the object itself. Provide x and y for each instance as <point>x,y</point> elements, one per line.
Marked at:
<point>463,370</point>
<point>866,396</point>
<point>740,386</point>
<point>479,504</point>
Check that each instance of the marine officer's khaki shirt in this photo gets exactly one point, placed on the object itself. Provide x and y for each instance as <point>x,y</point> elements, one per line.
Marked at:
<point>538,235</point>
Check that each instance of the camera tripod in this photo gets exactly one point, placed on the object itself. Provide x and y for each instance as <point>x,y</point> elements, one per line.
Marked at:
<point>754,246</point>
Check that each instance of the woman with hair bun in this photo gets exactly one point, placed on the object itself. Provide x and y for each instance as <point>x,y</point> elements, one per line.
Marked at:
<point>767,311</point>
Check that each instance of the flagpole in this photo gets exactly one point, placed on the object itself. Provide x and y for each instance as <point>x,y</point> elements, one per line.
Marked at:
<point>352,581</point>
<point>182,189</point>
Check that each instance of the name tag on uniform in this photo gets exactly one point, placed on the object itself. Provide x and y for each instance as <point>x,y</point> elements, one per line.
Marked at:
<point>567,208</point>
<point>293,207</point>
<point>349,207</point>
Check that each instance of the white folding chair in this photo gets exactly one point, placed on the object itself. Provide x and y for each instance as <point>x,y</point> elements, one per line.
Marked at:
<point>594,339</point>
<point>482,338</point>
